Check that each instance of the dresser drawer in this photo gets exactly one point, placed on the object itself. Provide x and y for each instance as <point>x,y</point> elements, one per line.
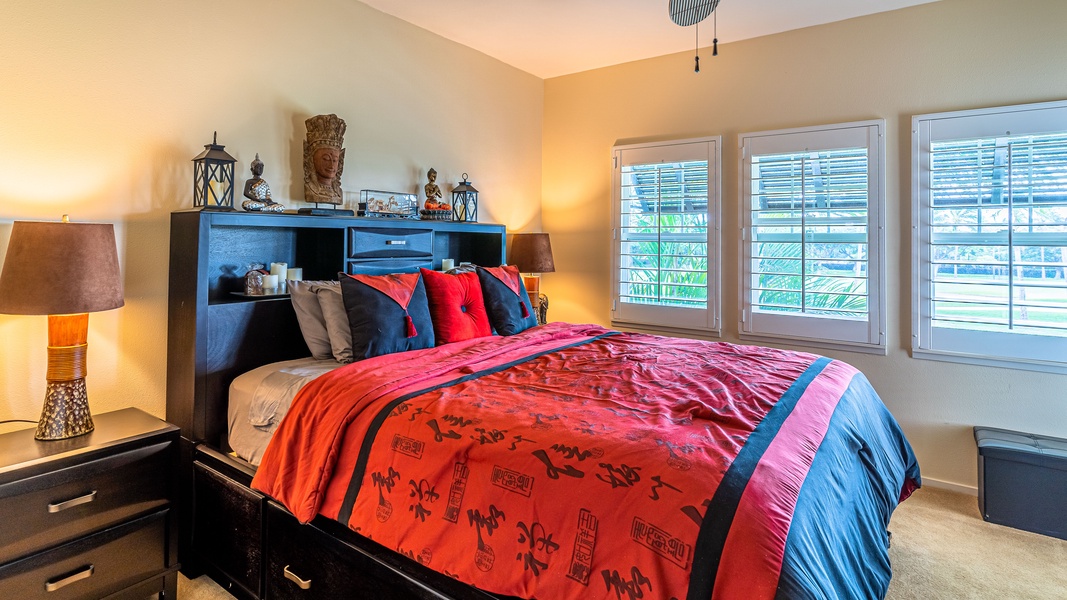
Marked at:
<point>62,505</point>
<point>384,242</point>
<point>92,567</point>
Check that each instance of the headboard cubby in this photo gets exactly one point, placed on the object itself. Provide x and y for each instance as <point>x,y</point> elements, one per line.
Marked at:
<point>216,333</point>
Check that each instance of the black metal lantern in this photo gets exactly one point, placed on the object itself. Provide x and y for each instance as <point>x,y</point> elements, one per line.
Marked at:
<point>464,201</point>
<point>213,178</point>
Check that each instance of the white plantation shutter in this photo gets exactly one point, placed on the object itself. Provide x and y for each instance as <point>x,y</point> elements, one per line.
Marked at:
<point>665,235</point>
<point>809,233</point>
<point>812,244</point>
<point>990,203</point>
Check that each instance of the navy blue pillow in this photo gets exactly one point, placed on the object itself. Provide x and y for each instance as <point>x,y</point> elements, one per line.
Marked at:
<point>506,300</point>
<point>380,322</point>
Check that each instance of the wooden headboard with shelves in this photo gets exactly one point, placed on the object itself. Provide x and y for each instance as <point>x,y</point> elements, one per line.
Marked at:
<point>215,335</point>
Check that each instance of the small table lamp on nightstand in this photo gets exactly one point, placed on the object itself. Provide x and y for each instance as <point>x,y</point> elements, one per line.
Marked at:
<point>532,253</point>
<point>63,270</point>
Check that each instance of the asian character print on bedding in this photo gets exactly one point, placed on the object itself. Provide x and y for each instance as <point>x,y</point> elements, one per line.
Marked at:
<point>576,462</point>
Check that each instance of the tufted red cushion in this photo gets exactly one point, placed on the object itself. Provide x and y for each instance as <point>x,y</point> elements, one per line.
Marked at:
<point>456,306</point>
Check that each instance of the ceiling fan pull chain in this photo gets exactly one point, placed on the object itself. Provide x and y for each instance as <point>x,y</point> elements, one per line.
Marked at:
<point>696,50</point>
<point>715,42</point>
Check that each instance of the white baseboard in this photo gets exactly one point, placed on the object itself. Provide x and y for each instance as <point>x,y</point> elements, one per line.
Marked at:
<point>959,488</point>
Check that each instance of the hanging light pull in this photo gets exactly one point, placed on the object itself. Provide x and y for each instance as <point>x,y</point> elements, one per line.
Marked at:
<point>715,42</point>
<point>696,50</point>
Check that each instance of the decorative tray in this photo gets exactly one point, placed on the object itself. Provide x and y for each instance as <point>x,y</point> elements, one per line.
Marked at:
<point>435,215</point>
<point>244,295</point>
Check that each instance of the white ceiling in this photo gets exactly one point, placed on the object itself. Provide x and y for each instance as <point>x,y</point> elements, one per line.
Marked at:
<point>549,38</point>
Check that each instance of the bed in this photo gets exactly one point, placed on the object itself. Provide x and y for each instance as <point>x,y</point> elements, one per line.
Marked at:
<point>563,461</point>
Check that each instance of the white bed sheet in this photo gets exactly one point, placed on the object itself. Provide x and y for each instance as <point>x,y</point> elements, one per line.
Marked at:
<point>261,397</point>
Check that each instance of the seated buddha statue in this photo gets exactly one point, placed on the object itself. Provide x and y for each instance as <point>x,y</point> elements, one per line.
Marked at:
<point>257,191</point>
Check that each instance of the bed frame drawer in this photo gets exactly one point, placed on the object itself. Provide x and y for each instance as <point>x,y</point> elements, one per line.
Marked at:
<point>92,567</point>
<point>228,533</point>
<point>305,563</point>
<point>382,242</point>
<point>66,504</point>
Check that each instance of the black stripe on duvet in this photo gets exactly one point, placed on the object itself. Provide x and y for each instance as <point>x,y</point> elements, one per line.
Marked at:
<point>719,516</point>
<point>345,514</point>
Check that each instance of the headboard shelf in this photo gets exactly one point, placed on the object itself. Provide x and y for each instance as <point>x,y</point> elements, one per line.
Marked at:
<point>214,335</point>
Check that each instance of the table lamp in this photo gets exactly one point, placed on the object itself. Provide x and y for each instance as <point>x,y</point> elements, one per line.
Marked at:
<point>532,253</point>
<point>63,270</point>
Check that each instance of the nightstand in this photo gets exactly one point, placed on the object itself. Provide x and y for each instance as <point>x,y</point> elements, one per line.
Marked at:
<point>90,517</point>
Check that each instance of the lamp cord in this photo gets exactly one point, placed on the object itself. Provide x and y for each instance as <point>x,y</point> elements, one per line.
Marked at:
<point>16,421</point>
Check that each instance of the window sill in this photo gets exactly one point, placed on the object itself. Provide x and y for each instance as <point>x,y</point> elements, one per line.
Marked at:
<point>667,331</point>
<point>990,361</point>
<point>879,350</point>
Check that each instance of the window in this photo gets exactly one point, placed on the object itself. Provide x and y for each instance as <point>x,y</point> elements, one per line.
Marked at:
<point>666,235</point>
<point>990,216</point>
<point>812,241</point>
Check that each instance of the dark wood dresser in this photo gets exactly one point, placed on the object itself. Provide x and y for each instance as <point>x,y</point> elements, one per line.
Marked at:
<point>90,517</point>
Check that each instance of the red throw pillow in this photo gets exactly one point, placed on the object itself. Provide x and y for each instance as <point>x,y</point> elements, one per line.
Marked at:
<point>456,306</point>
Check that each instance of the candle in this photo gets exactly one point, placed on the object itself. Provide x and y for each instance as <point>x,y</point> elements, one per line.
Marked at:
<point>294,274</point>
<point>279,269</point>
<point>447,264</point>
<point>270,284</point>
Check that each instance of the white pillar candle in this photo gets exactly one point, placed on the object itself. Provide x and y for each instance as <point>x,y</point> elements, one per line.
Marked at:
<point>294,274</point>
<point>447,264</point>
<point>270,284</point>
<point>279,269</point>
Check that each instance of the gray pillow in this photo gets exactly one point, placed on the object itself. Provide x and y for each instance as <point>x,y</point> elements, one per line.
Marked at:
<point>333,310</point>
<point>310,317</point>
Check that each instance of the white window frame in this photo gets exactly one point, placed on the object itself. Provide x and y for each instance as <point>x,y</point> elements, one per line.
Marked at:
<point>989,348</point>
<point>822,331</point>
<point>667,319</point>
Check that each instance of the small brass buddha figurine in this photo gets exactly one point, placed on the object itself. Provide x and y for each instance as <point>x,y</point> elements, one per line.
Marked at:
<point>257,191</point>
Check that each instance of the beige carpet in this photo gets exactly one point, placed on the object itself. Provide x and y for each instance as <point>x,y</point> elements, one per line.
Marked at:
<point>942,549</point>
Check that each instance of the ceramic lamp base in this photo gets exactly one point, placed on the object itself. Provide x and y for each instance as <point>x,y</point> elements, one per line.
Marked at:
<point>66,401</point>
<point>66,411</point>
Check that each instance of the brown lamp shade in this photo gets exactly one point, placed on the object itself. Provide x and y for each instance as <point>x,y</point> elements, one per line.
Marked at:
<point>60,268</point>
<point>531,253</point>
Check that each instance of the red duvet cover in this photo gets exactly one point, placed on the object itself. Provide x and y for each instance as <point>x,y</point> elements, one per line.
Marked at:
<point>575,462</point>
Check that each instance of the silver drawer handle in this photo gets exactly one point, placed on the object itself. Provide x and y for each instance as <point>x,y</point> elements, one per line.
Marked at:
<point>304,584</point>
<point>58,506</point>
<point>55,584</point>
<point>396,242</point>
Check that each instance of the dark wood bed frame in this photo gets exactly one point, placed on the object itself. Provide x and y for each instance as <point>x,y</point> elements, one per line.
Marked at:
<point>250,545</point>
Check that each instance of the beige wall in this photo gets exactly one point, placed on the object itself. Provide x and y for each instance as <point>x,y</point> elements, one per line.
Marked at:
<point>103,104</point>
<point>953,54</point>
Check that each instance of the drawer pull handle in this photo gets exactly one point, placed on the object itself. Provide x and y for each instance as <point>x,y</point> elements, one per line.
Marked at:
<point>396,242</point>
<point>59,506</point>
<point>304,584</point>
<point>55,584</point>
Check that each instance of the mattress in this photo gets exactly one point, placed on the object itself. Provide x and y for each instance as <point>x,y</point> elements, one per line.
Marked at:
<point>261,397</point>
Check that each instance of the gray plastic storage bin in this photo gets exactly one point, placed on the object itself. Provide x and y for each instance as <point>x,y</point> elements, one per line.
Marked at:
<point>1022,480</point>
